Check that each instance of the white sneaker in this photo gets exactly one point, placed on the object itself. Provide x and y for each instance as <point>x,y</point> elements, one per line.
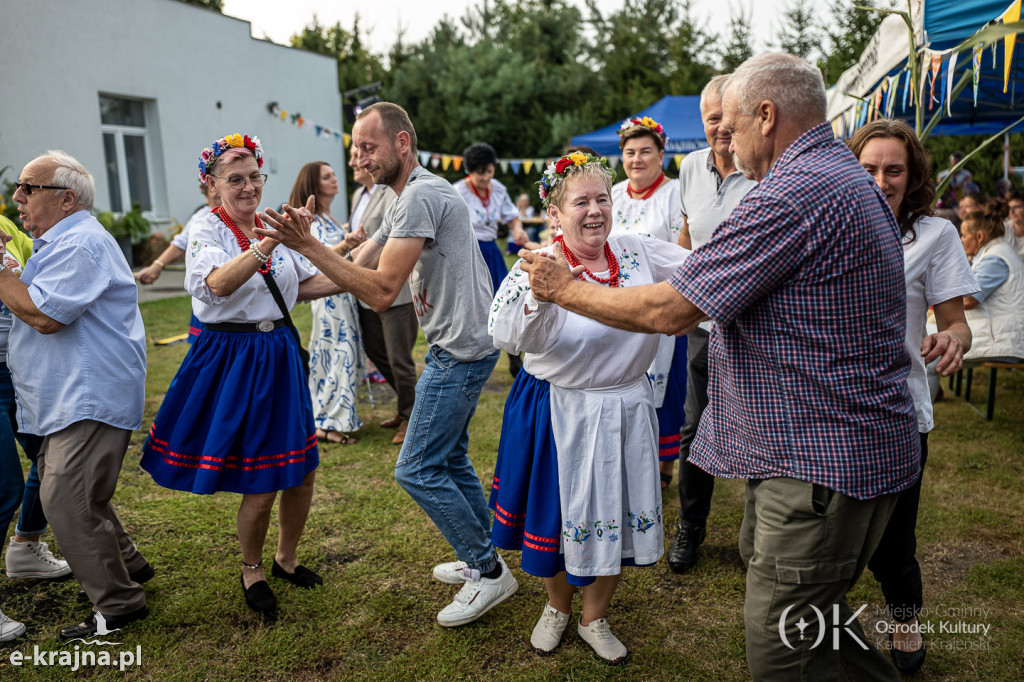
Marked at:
<point>33,560</point>
<point>602,641</point>
<point>477,597</point>
<point>547,633</point>
<point>10,629</point>
<point>451,572</point>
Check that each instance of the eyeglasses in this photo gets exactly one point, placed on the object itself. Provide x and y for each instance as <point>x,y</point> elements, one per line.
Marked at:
<point>238,181</point>
<point>27,188</point>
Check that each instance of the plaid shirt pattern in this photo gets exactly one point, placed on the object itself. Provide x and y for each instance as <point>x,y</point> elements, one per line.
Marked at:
<point>808,368</point>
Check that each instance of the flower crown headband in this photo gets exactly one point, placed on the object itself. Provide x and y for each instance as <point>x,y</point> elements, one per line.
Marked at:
<point>209,156</point>
<point>644,122</point>
<point>560,169</point>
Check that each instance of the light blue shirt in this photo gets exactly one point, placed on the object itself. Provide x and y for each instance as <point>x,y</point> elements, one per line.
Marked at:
<point>990,273</point>
<point>95,367</point>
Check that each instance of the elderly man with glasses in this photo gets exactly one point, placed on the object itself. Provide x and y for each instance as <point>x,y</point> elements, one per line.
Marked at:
<point>78,359</point>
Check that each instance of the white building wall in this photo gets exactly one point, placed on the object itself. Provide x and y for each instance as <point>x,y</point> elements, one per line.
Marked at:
<point>202,72</point>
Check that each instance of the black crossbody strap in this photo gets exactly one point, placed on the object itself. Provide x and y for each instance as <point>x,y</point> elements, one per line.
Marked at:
<point>279,299</point>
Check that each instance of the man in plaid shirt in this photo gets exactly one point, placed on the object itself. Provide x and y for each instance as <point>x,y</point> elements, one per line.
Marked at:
<point>807,391</point>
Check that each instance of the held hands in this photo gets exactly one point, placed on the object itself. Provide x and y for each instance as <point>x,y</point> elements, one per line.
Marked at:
<point>947,347</point>
<point>354,239</point>
<point>148,274</point>
<point>549,273</point>
<point>291,228</point>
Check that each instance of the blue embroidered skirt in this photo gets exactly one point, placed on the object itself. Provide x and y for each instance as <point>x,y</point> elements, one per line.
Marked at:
<point>671,415</point>
<point>525,492</point>
<point>237,417</point>
<point>495,263</point>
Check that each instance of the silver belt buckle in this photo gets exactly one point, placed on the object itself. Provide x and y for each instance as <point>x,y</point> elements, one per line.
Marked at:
<point>265,326</point>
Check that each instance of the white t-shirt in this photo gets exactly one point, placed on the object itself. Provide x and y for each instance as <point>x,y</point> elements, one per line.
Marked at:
<point>936,270</point>
<point>1011,238</point>
<point>211,245</point>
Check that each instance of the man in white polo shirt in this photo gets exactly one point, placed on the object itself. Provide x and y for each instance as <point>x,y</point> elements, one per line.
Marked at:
<point>710,187</point>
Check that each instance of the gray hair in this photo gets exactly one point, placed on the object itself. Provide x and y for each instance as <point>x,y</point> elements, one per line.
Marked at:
<point>794,86</point>
<point>592,169</point>
<point>714,89</point>
<point>68,172</point>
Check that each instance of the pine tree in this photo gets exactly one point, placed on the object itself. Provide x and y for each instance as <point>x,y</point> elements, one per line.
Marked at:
<point>740,45</point>
<point>800,34</point>
<point>848,35</point>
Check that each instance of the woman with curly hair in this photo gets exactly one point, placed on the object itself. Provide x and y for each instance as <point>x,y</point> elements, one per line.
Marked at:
<point>937,276</point>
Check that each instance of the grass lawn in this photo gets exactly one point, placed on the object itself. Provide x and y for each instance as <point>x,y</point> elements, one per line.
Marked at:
<point>374,617</point>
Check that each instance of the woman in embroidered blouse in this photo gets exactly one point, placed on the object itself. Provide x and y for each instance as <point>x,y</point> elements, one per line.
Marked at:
<point>335,350</point>
<point>576,483</point>
<point>937,275</point>
<point>489,204</point>
<point>646,203</point>
<point>237,416</point>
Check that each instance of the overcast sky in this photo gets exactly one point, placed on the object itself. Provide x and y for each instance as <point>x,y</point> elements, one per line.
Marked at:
<point>381,19</point>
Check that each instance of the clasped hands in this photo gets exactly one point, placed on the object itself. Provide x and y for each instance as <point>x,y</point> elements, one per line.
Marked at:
<point>291,227</point>
<point>549,273</point>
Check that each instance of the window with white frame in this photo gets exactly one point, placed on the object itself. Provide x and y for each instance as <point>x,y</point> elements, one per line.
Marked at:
<point>125,147</point>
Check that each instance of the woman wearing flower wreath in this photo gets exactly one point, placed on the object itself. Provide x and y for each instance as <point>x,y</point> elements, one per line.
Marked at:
<point>237,416</point>
<point>336,359</point>
<point>489,204</point>
<point>576,482</point>
<point>647,204</point>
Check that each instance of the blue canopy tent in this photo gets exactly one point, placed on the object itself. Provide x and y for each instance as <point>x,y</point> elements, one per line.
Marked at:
<point>680,116</point>
<point>880,77</point>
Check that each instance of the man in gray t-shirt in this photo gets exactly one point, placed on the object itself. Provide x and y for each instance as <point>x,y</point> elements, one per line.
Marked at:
<point>426,238</point>
<point>450,282</point>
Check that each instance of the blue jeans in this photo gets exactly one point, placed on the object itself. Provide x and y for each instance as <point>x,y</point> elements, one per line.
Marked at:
<point>14,490</point>
<point>434,467</point>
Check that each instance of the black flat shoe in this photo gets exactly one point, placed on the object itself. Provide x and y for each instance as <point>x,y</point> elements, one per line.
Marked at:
<point>907,662</point>
<point>302,577</point>
<point>259,597</point>
<point>91,626</point>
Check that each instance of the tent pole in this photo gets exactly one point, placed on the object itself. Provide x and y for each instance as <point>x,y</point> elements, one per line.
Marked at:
<point>1006,156</point>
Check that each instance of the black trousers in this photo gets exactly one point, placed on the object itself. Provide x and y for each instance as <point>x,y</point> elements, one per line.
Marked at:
<point>695,485</point>
<point>894,563</point>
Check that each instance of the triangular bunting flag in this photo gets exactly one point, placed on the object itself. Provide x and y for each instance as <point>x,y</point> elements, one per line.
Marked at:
<point>976,67</point>
<point>504,165</point>
<point>679,159</point>
<point>456,162</point>
<point>539,165</point>
<point>424,158</point>
<point>613,161</point>
<point>948,94</point>
<point>1012,15</point>
<point>346,139</point>
<point>527,164</point>
<point>445,161</point>
<point>284,114</point>
<point>434,160</point>
<point>319,129</point>
<point>516,165</point>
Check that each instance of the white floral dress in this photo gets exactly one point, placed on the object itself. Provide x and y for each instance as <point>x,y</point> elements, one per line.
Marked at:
<point>336,361</point>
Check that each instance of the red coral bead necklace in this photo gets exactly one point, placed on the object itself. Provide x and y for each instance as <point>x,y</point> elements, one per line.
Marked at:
<point>243,241</point>
<point>611,280</point>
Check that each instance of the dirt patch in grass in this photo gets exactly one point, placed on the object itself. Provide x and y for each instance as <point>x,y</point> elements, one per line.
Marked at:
<point>947,564</point>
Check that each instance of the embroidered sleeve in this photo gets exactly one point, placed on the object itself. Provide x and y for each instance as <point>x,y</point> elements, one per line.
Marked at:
<point>207,252</point>
<point>518,322</point>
